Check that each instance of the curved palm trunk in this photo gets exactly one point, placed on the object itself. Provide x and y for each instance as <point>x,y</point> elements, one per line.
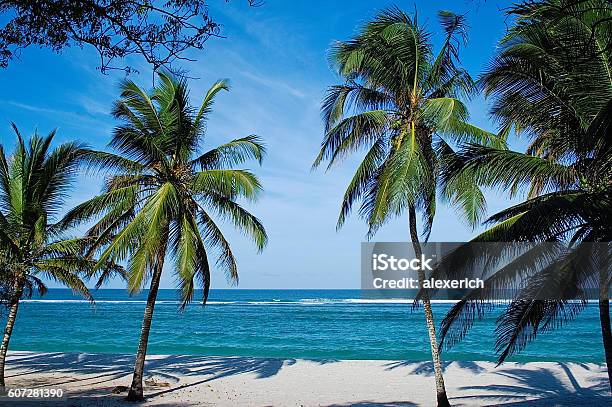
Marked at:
<point>442,399</point>
<point>606,329</point>
<point>136,390</point>
<point>8,331</point>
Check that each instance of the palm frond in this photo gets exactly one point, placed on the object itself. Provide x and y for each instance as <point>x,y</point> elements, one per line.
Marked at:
<point>236,152</point>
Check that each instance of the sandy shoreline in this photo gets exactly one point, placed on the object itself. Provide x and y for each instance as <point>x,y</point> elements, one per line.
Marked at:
<point>89,379</point>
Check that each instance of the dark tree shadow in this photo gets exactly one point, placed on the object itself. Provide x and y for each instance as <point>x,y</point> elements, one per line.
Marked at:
<point>426,368</point>
<point>103,368</point>
<point>376,404</point>
<point>169,367</point>
<point>542,387</point>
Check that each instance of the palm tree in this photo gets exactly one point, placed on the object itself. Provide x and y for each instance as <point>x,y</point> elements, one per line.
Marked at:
<point>401,103</point>
<point>162,196</point>
<point>552,80</point>
<point>33,185</point>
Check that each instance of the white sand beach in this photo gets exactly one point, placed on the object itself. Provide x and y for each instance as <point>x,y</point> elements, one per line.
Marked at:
<point>89,379</point>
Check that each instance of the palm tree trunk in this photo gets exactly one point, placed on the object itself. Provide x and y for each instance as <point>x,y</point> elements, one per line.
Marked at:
<point>604,318</point>
<point>136,390</point>
<point>606,331</point>
<point>442,399</point>
<point>8,330</point>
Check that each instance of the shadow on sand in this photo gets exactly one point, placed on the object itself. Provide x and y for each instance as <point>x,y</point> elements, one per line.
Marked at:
<point>113,366</point>
<point>97,369</point>
<point>549,387</point>
<point>376,404</point>
<point>516,386</point>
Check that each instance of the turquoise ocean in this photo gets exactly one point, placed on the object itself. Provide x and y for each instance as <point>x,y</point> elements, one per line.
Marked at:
<point>319,324</point>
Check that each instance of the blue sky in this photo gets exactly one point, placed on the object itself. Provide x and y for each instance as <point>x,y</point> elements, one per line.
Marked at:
<point>275,58</point>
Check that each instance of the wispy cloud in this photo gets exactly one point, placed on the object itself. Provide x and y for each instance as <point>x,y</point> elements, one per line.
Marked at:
<point>32,108</point>
<point>78,121</point>
<point>274,84</point>
<point>95,107</point>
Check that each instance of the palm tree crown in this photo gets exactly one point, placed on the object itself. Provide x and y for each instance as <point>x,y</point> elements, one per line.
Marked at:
<point>551,80</point>
<point>402,103</point>
<point>163,193</point>
<point>34,181</point>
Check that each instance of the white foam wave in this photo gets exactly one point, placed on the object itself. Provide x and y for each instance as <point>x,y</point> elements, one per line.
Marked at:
<point>303,301</point>
<point>117,302</point>
<point>85,301</point>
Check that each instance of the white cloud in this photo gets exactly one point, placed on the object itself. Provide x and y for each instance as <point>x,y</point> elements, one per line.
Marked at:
<point>274,84</point>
